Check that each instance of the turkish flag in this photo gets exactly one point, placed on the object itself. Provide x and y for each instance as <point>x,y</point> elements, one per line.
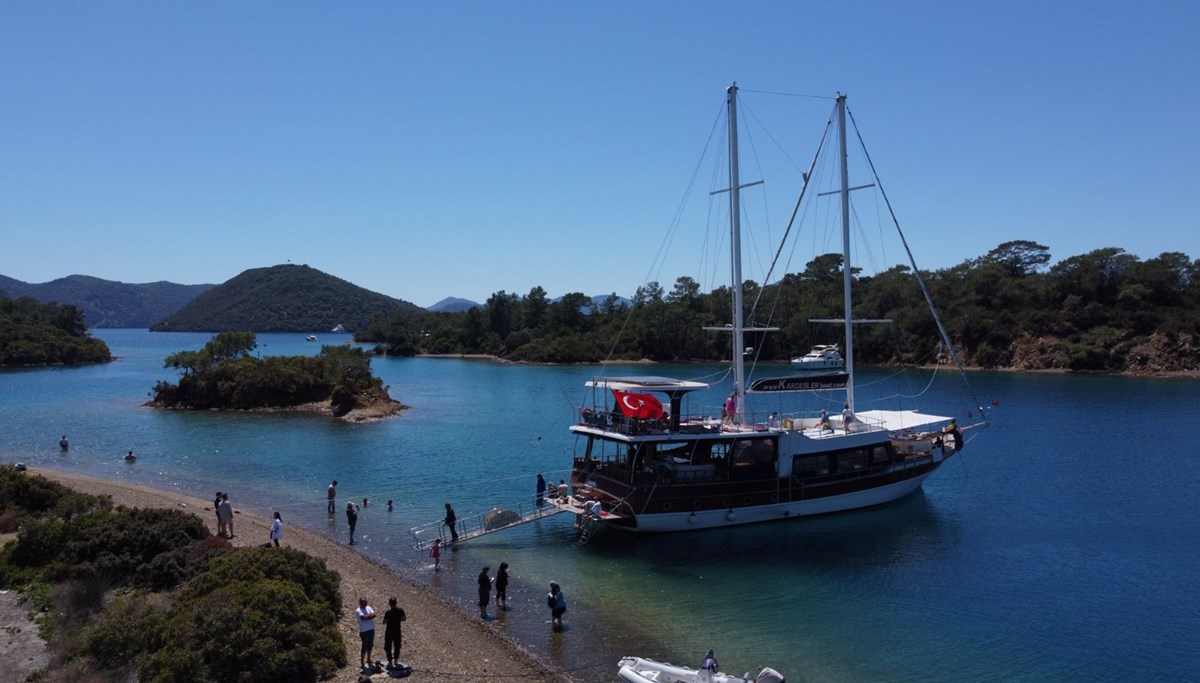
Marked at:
<point>644,406</point>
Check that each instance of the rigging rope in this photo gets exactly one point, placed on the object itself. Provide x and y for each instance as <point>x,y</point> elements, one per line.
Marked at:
<point>917,272</point>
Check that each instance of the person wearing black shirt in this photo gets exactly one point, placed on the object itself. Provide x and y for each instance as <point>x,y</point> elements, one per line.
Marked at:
<point>391,633</point>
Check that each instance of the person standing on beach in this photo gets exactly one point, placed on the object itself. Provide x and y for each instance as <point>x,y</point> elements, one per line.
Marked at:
<point>331,494</point>
<point>276,529</point>
<point>485,592</point>
<point>557,603</point>
<point>351,519</point>
<point>225,515</point>
<point>436,553</point>
<point>217,512</point>
<point>502,586</point>
<point>541,491</point>
<point>391,633</point>
<point>366,631</point>
<point>451,521</point>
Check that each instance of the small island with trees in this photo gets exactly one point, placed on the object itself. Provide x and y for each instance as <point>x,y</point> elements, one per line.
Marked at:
<point>225,376</point>
<point>33,333</point>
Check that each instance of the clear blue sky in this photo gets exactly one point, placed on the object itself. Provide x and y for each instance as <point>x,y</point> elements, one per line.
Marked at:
<point>435,149</point>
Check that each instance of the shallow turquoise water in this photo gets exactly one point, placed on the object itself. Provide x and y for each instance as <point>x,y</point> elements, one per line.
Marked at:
<point>1059,545</point>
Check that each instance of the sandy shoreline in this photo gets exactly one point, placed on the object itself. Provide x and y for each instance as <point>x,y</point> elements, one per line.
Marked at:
<point>439,640</point>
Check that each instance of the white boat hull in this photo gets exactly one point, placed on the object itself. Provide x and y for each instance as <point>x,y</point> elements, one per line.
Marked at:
<point>818,365</point>
<point>662,522</point>
<point>640,670</point>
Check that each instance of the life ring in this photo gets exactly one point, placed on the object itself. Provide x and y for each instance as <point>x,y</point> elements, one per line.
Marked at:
<point>666,506</point>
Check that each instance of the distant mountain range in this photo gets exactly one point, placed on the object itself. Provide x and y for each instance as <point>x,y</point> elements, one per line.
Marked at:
<point>284,298</point>
<point>106,303</point>
<point>599,299</point>
<point>453,304</point>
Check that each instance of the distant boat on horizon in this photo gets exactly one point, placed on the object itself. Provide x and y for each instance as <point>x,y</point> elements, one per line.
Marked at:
<point>822,358</point>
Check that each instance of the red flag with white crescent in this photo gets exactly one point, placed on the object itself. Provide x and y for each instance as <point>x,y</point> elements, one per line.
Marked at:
<point>643,406</point>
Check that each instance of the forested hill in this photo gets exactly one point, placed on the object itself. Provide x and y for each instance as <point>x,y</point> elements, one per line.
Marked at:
<point>1103,311</point>
<point>284,298</point>
<point>106,303</point>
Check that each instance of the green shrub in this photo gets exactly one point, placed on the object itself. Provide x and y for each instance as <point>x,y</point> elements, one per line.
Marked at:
<point>40,544</point>
<point>127,540</point>
<point>154,548</point>
<point>286,564</point>
<point>37,495</point>
<point>263,630</point>
<point>129,628</point>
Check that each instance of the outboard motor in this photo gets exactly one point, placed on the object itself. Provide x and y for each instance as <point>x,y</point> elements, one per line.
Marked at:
<point>769,675</point>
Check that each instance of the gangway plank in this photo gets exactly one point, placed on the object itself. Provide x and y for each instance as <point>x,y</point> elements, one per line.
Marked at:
<point>474,526</point>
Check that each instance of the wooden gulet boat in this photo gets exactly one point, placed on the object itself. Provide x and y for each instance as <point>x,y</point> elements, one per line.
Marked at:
<point>653,463</point>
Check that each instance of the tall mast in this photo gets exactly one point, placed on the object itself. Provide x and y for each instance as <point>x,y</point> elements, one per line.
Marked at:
<point>735,246</point>
<point>848,311</point>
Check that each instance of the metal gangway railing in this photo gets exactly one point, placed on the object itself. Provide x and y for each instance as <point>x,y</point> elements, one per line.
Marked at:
<point>478,524</point>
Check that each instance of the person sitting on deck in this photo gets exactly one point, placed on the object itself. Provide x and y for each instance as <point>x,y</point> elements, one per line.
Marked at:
<point>592,509</point>
<point>823,421</point>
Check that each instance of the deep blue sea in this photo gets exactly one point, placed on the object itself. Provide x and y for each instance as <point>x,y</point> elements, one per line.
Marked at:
<point>1062,544</point>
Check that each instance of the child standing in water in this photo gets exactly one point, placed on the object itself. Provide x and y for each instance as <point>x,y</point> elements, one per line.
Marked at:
<point>436,553</point>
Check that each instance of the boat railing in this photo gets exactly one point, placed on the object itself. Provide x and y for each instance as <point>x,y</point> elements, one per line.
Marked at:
<point>632,426</point>
<point>476,524</point>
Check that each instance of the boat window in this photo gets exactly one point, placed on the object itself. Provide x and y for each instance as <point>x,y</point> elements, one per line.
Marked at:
<point>605,451</point>
<point>639,455</point>
<point>756,452</point>
<point>752,459</point>
<point>689,451</point>
<point>810,465</point>
<point>849,461</point>
<point>718,450</point>
<point>879,456</point>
